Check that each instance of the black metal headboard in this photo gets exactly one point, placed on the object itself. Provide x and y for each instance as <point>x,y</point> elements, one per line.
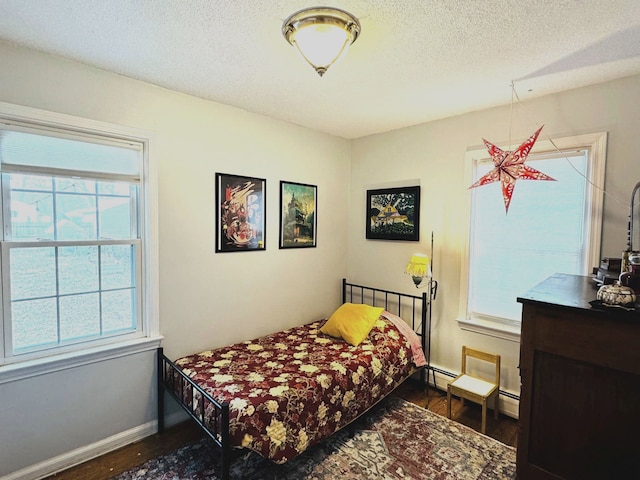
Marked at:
<point>412,308</point>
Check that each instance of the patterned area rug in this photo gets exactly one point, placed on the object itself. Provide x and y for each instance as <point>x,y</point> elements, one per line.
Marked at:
<point>397,440</point>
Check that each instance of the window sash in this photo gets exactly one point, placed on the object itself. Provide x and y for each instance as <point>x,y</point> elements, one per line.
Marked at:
<point>12,354</point>
<point>133,196</point>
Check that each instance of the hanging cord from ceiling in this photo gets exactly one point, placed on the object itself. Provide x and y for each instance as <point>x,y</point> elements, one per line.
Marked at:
<point>514,94</point>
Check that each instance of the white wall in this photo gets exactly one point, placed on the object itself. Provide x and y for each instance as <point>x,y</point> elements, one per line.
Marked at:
<point>433,155</point>
<point>206,299</point>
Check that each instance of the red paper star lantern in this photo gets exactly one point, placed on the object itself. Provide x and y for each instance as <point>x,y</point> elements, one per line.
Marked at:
<point>509,167</point>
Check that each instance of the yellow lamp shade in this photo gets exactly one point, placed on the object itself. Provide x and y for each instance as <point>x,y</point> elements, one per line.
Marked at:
<point>419,267</point>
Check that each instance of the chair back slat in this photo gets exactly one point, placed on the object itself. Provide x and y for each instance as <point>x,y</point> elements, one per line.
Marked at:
<point>484,356</point>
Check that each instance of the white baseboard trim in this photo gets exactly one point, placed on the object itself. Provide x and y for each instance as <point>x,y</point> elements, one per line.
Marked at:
<point>83,454</point>
<point>507,405</point>
<point>89,452</point>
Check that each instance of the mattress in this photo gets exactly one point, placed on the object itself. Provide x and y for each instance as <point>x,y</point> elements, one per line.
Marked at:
<point>289,390</point>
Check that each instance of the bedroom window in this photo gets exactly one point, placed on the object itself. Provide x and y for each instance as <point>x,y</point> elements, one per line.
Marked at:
<point>551,227</point>
<point>73,240</point>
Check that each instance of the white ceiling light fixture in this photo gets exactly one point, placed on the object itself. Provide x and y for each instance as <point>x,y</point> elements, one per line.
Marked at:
<point>322,35</point>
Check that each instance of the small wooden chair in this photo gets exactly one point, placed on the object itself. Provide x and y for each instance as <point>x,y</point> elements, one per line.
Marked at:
<point>476,389</point>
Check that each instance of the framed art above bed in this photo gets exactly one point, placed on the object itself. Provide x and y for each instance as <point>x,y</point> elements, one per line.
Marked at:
<point>393,214</point>
<point>298,219</point>
<point>240,213</point>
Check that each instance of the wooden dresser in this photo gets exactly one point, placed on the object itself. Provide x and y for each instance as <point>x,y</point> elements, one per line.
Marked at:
<point>580,375</point>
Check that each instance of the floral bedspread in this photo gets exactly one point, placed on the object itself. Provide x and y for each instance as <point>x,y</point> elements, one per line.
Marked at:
<point>291,389</point>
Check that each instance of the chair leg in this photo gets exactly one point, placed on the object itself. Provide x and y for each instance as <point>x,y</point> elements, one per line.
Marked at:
<point>495,407</point>
<point>448,401</point>
<point>484,416</point>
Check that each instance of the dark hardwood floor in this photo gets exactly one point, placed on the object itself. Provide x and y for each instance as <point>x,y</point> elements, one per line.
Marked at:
<point>505,429</point>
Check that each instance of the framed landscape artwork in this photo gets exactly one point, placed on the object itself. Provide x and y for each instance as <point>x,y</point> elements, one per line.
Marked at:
<point>240,217</point>
<point>298,221</point>
<point>393,214</point>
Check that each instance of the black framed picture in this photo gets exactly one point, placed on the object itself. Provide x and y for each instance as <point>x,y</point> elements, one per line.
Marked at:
<point>393,214</point>
<point>298,220</point>
<point>240,213</point>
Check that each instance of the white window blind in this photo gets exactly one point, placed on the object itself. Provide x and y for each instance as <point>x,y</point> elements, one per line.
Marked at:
<point>83,155</point>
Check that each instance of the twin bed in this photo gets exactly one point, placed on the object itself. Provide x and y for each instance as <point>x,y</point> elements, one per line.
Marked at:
<point>282,393</point>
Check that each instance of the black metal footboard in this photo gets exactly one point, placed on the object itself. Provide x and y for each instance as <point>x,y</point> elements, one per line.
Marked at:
<point>211,415</point>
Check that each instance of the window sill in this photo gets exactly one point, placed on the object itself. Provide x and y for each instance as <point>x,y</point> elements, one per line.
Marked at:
<point>491,328</point>
<point>43,366</point>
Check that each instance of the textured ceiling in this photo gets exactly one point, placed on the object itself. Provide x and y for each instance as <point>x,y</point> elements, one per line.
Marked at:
<point>415,60</point>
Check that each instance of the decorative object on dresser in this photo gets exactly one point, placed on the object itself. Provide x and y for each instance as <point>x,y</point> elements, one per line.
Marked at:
<point>282,393</point>
<point>608,271</point>
<point>580,375</point>
<point>616,295</point>
<point>472,387</point>
<point>631,277</point>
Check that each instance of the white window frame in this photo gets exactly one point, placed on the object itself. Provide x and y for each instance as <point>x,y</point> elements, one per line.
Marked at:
<point>149,337</point>
<point>596,145</point>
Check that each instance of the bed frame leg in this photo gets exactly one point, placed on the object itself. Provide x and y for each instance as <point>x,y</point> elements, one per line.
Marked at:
<point>160,361</point>
<point>226,460</point>
<point>226,443</point>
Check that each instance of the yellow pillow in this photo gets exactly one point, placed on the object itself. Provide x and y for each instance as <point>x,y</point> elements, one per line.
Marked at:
<point>352,322</point>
